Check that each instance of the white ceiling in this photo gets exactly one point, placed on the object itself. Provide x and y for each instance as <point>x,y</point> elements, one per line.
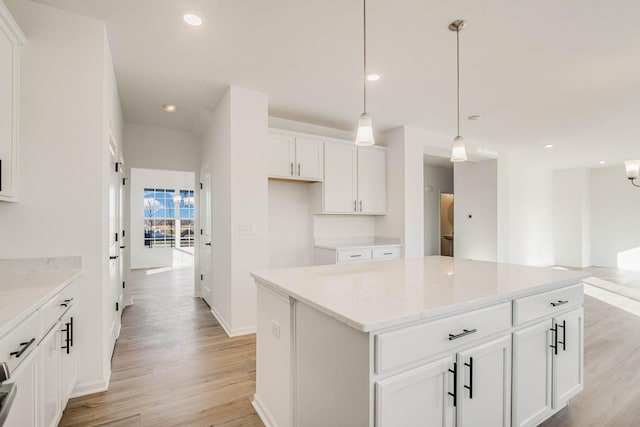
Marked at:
<point>545,71</point>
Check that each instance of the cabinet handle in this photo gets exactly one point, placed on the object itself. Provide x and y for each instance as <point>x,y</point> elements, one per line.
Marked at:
<point>25,346</point>
<point>564,335</point>
<point>355,256</point>
<point>387,253</point>
<point>298,169</point>
<point>464,333</point>
<point>66,302</point>
<point>113,257</point>
<point>291,168</point>
<point>470,386</point>
<point>559,302</point>
<point>67,340</point>
<point>554,346</point>
<point>360,205</point>
<point>355,206</point>
<point>455,384</point>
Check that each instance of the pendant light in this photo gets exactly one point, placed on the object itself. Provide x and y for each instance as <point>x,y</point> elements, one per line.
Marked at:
<point>458,152</point>
<point>633,169</point>
<point>364,136</point>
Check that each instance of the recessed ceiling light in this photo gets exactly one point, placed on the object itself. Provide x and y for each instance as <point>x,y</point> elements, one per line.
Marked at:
<point>169,107</point>
<point>373,77</point>
<point>192,19</point>
<point>548,146</point>
<point>475,117</point>
<point>602,162</point>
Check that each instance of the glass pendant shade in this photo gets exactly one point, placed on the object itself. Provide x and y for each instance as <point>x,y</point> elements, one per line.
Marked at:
<point>364,137</point>
<point>458,152</point>
<point>632,167</point>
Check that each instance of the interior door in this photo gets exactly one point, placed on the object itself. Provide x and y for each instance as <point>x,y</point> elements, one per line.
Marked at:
<point>568,362</point>
<point>340,179</point>
<point>371,181</point>
<point>484,385</point>
<point>308,158</point>
<point>123,241</point>
<point>115,285</point>
<point>205,240</point>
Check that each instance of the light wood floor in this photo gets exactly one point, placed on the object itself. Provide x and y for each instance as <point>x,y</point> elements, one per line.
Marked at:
<point>174,365</point>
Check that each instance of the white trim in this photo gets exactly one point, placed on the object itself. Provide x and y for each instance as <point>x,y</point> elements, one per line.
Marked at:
<point>8,23</point>
<point>263,412</point>
<point>231,333</point>
<point>91,387</point>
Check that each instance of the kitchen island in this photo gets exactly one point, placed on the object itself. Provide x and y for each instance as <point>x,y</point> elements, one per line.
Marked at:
<point>434,341</point>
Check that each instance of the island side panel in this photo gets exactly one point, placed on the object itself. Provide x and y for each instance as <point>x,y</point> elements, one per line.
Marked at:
<point>273,358</point>
<point>332,371</point>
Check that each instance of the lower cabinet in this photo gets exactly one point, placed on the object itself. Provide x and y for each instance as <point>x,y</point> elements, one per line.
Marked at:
<point>471,388</point>
<point>68,370</point>
<point>50,379</point>
<point>547,367</point>
<point>23,410</point>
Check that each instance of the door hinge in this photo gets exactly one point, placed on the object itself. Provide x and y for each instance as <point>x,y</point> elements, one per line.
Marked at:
<point>201,186</point>
<point>124,181</point>
<point>202,277</point>
<point>123,285</point>
<point>201,232</point>
<point>117,307</point>
<point>123,233</point>
<point>118,166</point>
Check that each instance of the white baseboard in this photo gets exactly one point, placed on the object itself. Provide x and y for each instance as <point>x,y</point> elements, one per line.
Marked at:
<point>263,413</point>
<point>229,331</point>
<point>91,387</point>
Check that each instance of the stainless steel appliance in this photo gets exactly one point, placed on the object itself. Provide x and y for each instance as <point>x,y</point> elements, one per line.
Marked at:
<point>7,393</point>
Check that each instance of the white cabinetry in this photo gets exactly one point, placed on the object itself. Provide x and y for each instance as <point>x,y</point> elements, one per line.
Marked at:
<point>50,379</point>
<point>324,255</point>
<point>296,158</point>
<point>23,410</point>
<point>68,363</point>
<point>419,394</point>
<point>354,180</point>
<point>567,356</point>
<point>11,38</point>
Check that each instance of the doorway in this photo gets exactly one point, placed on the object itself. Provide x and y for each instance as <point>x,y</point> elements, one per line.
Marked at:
<point>446,224</point>
<point>438,182</point>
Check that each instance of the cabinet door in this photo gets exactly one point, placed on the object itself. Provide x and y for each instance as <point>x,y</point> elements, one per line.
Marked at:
<point>49,383</point>
<point>372,181</point>
<point>568,362</point>
<point>531,398</point>
<point>418,397</point>
<point>68,357</point>
<point>309,159</point>
<point>23,409</point>
<point>281,163</point>
<point>7,128</point>
<point>339,178</point>
<point>484,385</point>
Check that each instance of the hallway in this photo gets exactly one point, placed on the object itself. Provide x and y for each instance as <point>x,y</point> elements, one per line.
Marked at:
<point>173,363</point>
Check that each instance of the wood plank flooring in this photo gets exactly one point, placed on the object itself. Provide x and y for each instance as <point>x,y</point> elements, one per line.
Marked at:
<point>174,366</point>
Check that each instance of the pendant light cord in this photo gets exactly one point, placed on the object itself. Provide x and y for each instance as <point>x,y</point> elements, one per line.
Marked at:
<point>458,78</point>
<point>364,71</point>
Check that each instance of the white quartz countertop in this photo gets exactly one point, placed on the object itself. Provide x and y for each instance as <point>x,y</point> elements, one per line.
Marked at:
<point>369,296</point>
<point>24,286</point>
<point>356,243</point>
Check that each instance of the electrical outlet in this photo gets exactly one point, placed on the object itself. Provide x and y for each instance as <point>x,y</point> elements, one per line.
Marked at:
<point>246,230</point>
<point>275,328</point>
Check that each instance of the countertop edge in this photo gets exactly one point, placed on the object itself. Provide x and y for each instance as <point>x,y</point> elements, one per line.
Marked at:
<point>7,327</point>
<point>337,247</point>
<point>431,314</point>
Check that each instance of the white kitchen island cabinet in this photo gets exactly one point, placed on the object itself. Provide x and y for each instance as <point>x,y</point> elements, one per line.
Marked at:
<point>434,341</point>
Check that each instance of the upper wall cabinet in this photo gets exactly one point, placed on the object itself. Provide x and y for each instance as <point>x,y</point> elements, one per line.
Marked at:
<point>296,158</point>
<point>354,180</point>
<point>11,39</point>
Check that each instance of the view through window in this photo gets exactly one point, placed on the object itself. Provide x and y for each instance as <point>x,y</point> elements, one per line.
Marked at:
<point>166,211</point>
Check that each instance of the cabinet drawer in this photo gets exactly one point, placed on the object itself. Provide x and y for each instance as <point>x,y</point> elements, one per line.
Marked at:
<point>386,252</point>
<point>349,255</point>
<point>22,340</point>
<point>406,346</point>
<point>52,311</point>
<point>546,304</point>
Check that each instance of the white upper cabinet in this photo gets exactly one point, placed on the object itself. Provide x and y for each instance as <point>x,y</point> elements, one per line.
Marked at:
<point>354,180</point>
<point>296,158</point>
<point>11,38</point>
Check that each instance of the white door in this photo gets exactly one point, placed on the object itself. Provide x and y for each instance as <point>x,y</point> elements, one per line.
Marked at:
<point>484,385</point>
<point>206,259</point>
<point>340,165</point>
<point>115,285</point>
<point>23,409</point>
<point>281,164</point>
<point>419,397</point>
<point>531,375</point>
<point>123,241</point>
<point>309,159</point>
<point>372,181</point>
<point>50,379</point>
<point>568,362</point>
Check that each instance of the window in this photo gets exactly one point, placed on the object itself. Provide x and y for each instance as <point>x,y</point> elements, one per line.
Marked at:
<point>159,217</point>
<point>186,218</point>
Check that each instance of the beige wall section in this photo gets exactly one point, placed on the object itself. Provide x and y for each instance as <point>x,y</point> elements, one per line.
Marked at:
<point>64,163</point>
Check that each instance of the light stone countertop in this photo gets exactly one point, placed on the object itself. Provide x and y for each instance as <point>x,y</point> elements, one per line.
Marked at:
<point>26,284</point>
<point>353,243</point>
<point>370,296</point>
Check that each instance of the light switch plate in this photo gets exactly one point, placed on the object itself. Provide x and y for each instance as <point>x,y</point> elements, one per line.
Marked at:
<point>246,230</point>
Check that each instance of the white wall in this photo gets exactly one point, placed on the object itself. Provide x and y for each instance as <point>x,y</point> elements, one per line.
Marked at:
<point>344,227</point>
<point>68,98</point>
<point>290,224</point>
<point>476,210</point>
<point>439,180</point>
<point>571,217</point>
<point>233,150</point>
<point>142,256</point>
<point>615,219</point>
